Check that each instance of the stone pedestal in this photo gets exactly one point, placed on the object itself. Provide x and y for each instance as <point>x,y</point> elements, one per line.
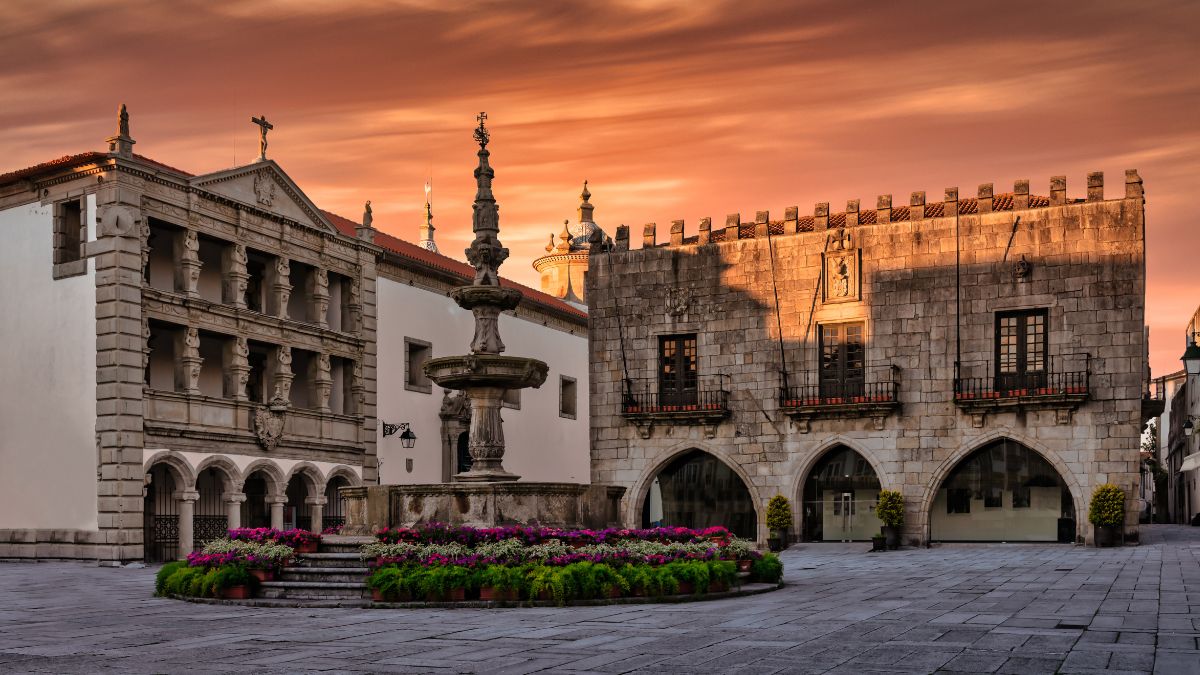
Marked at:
<point>568,505</point>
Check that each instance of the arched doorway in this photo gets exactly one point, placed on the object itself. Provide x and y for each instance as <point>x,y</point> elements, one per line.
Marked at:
<point>839,499</point>
<point>160,510</point>
<point>335,504</point>
<point>255,511</point>
<point>1004,491</point>
<point>297,511</point>
<point>698,490</point>
<point>210,520</point>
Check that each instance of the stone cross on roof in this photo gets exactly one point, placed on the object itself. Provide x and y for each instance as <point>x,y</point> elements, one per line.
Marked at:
<point>263,127</point>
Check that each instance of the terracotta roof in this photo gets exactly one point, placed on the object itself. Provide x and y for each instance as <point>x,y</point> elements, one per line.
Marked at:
<point>447,264</point>
<point>75,160</point>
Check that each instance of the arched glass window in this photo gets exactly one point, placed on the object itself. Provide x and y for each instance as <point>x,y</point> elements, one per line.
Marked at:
<point>1003,492</point>
<point>698,490</point>
<point>840,495</point>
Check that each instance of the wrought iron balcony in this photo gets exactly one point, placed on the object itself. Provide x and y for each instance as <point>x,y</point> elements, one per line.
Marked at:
<point>645,404</point>
<point>876,399</point>
<point>1064,385</point>
<point>1154,400</point>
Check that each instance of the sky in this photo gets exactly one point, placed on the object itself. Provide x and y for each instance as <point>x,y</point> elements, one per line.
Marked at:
<point>671,110</point>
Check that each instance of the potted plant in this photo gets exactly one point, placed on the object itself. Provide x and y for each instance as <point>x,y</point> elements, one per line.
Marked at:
<point>1106,513</point>
<point>878,542</point>
<point>232,582</point>
<point>779,521</point>
<point>890,511</point>
<point>501,582</point>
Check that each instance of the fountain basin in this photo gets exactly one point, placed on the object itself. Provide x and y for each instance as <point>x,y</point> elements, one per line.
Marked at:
<point>486,370</point>
<point>470,297</point>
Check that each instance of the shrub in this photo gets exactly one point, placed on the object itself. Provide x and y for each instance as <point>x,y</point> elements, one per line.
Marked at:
<point>779,513</point>
<point>393,582</point>
<point>767,569</point>
<point>160,579</point>
<point>503,577</point>
<point>438,581</point>
<point>1107,508</point>
<point>890,509</point>
<point>228,576</point>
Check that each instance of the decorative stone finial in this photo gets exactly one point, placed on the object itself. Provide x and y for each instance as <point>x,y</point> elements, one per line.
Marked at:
<point>121,144</point>
<point>485,254</point>
<point>427,229</point>
<point>366,231</point>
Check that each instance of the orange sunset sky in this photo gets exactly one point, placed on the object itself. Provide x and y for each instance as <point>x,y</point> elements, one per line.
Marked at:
<point>670,109</point>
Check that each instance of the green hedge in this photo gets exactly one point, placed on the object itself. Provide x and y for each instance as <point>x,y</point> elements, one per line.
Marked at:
<point>177,578</point>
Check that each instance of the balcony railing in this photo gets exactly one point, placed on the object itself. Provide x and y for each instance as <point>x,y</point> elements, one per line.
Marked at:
<point>644,404</point>
<point>1065,383</point>
<point>841,393</point>
<point>876,396</point>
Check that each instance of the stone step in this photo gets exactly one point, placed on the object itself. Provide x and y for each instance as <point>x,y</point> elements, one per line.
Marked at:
<point>339,548</point>
<point>325,574</point>
<point>314,590</point>
<point>327,560</point>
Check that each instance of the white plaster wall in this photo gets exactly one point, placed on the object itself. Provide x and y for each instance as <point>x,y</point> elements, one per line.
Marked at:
<point>541,445</point>
<point>48,377</point>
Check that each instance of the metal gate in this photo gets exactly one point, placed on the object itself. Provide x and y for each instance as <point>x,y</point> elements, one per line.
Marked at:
<point>160,534</point>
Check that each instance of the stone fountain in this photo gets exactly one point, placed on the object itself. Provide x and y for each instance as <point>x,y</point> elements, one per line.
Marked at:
<point>486,494</point>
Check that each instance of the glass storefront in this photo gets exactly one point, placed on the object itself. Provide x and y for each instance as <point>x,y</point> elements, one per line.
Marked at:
<point>840,495</point>
<point>698,490</point>
<point>1003,492</point>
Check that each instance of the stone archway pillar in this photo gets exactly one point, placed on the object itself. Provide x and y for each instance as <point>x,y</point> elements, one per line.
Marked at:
<point>276,502</point>
<point>233,509</point>
<point>316,512</point>
<point>187,513</point>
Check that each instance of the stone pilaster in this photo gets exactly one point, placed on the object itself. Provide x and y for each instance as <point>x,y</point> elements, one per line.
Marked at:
<point>282,375</point>
<point>366,394</point>
<point>237,369</point>
<point>187,279</point>
<point>281,287</point>
<point>355,305</point>
<point>234,278</point>
<point>120,370</point>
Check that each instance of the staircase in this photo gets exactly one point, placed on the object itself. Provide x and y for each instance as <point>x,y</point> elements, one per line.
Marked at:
<point>335,572</point>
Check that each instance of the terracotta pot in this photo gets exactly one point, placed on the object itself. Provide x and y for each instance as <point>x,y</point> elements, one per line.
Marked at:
<point>686,588</point>
<point>307,547</point>
<point>377,595</point>
<point>718,587</point>
<point>745,565</point>
<point>545,596</point>
<point>614,592</point>
<point>453,595</point>
<point>262,574</point>
<point>490,593</point>
<point>236,592</point>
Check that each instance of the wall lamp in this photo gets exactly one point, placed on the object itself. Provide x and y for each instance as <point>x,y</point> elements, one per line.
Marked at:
<point>407,438</point>
<point>1191,357</point>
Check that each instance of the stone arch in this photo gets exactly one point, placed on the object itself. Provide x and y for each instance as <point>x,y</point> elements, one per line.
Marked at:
<point>968,448</point>
<point>233,477</point>
<point>314,480</point>
<point>810,463</point>
<point>345,472</point>
<point>641,488</point>
<point>184,473</point>
<point>276,480</point>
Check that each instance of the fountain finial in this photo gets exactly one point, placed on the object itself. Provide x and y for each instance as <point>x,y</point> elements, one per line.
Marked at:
<point>485,254</point>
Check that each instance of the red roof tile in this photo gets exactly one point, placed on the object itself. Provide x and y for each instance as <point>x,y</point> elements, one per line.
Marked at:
<point>426,257</point>
<point>74,160</point>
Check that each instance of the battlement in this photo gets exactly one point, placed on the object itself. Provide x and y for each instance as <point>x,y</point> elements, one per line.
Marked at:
<point>985,201</point>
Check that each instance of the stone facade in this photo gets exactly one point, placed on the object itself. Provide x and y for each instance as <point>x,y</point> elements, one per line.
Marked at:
<point>925,281</point>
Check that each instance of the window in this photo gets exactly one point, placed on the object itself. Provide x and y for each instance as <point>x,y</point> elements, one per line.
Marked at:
<point>566,397</point>
<point>416,353</point>
<point>842,360</point>
<point>958,500</point>
<point>511,399</point>
<point>69,235</point>
<point>1021,349</point>
<point>677,369</point>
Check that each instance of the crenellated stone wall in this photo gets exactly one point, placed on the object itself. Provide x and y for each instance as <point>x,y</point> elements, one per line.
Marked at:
<point>926,280</point>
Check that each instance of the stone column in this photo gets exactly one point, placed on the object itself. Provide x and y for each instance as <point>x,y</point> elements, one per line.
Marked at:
<point>487,436</point>
<point>319,299</point>
<point>187,513</point>
<point>316,512</point>
<point>187,274</point>
<point>146,352</point>
<point>358,389</point>
<point>283,375</point>
<point>323,382</point>
<point>233,509</point>
<point>188,371</point>
<point>276,502</point>
<point>355,305</point>
<point>281,287</point>
<point>237,372</point>
<point>234,277</point>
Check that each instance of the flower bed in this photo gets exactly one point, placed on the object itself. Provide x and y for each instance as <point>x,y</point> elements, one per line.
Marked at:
<point>232,567</point>
<point>435,563</point>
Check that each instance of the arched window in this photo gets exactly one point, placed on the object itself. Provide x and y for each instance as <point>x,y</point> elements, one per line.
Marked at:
<point>463,452</point>
<point>1003,491</point>
<point>840,495</point>
<point>698,490</point>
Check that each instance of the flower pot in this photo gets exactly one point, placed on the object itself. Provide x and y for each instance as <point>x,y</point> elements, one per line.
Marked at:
<point>262,574</point>
<point>614,592</point>
<point>891,536</point>
<point>878,543</point>
<point>718,587</point>
<point>306,547</point>
<point>491,593</point>
<point>1106,535</point>
<point>241,592</point>
<point>774,544</point>
<point>686,588</point>
<point>453,595</point>
<point>745,565</point>
<point>377,595</point>
<point>545,595</point>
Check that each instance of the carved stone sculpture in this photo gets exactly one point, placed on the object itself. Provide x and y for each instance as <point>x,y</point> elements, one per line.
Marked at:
<point>269,421</point>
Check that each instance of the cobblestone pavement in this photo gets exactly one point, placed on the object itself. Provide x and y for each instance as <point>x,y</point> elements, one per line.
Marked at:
<point>968,608</point>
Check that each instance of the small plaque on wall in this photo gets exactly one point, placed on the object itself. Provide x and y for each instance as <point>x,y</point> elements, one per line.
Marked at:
<point>841,279</point>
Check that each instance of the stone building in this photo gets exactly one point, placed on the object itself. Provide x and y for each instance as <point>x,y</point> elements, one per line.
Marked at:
<point>185,353</point>
<point>984,356</point>
<point>564,267</point>
<point>1179,431</point>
